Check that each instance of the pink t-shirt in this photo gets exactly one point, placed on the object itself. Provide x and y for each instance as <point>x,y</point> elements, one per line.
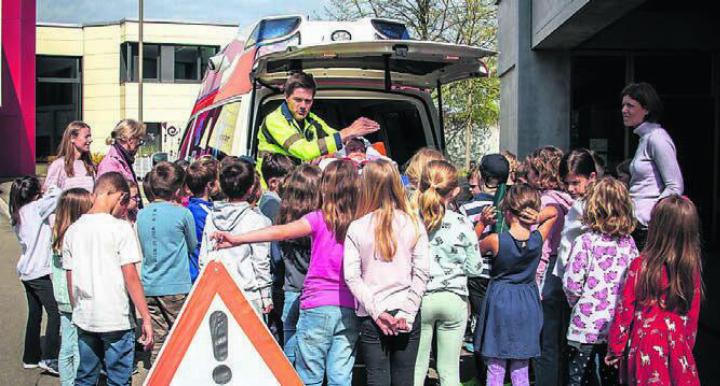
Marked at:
<point>325,281</point>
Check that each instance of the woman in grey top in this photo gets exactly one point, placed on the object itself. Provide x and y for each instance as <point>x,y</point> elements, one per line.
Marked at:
<point>655,173</point>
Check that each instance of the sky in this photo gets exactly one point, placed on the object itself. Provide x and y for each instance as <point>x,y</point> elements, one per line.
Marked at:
<point>239,12</point>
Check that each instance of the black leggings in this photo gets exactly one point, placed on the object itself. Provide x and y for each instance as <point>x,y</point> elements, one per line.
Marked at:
<point>389,360</point>
<point>40,294</point>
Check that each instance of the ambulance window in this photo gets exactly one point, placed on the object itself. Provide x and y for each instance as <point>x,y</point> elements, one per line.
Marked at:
<point>272,29</point>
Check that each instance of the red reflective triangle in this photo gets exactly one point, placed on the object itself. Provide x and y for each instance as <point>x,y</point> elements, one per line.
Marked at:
<point>215,280</point>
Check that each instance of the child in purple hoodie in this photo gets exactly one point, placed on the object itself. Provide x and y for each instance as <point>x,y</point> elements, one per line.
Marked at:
<point>543,167</point>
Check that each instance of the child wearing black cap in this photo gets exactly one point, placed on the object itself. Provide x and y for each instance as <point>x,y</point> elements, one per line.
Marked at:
<point>487,185</point>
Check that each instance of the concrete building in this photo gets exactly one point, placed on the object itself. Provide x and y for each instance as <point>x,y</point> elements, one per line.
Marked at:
<point>90,72</point>
<point>563,64</point>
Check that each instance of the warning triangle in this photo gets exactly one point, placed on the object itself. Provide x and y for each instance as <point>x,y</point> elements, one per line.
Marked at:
<point>219,339</point>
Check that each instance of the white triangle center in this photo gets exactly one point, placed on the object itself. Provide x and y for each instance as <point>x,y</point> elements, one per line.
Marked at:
<point>246,364</point>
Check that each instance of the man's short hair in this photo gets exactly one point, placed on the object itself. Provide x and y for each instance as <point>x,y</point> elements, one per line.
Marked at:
<point>199,174</point>
<point>276,165</point>
<point>299,80</point>
<point>165,179</point>
<point>237,177</point>
<point>111,182</point>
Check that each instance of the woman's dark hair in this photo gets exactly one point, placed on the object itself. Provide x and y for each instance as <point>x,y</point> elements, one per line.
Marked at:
<point>581,162</point>
<point>299,80</point>
<point>24,190</point>
<point>648,98</point>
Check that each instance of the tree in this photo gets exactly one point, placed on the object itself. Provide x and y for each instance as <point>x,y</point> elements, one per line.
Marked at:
<point>470,107</point>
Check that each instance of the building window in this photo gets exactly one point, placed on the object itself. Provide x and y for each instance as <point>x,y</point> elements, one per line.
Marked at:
<point>165,63</point>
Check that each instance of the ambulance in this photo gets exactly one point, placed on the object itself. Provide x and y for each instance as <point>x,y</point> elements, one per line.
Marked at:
<point>369,67</point>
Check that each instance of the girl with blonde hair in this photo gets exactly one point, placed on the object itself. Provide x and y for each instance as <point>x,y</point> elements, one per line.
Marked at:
<point>327,328</point>
<point>72,204</point>
<point>416,164</point>
<point>593,278</point>
<point>73,166</point>
<point>456,256</point>
<point>386,267</point>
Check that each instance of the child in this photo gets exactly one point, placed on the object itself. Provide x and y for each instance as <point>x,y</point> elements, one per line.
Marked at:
<point>99,254</point>
<point>167,236</point>
<point>201,181</point>
<point>73,203</point>
<point>578,169</point>
<point>455,252</point>
<point>510,319</point>
<point>327,328</point>
<point>73,166</point>
<point>300,195</point>
<point>543,174</point>
<point>274,169</point>
<point>29,217</point>
<point>415,166</point>
<point>129,212</point>
<point>655,325</point>
<point>595,272</point>
<point>236,216</point>
<point>386,266</point>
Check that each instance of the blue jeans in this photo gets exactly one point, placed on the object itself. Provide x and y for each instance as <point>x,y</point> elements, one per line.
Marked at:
<point>116,348</point>
<point>290,315</point>
<point>69,357</point>
<point>326,338</point>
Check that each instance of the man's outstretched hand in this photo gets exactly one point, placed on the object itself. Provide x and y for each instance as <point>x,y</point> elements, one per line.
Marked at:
<point>362,126</point>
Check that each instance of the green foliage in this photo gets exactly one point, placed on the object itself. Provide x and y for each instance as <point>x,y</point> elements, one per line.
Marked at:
<point>471,107</point>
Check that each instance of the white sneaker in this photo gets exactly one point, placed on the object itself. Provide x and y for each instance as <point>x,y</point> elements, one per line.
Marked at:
<point>50,366</point>
<point>29,366</point>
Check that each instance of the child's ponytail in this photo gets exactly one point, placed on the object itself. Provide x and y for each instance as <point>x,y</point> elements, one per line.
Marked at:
<point>439,179</point>
<point>24,190</point>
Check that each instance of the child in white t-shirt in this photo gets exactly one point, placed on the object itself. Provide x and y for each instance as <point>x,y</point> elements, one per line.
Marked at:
<point>99,255</point>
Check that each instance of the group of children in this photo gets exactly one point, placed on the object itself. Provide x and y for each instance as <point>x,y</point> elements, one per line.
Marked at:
<point>539,262</point>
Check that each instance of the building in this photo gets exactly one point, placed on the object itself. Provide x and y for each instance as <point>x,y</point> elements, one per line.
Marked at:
<point>17,82</point>
<point>563,64</point>
<point>90,72</point>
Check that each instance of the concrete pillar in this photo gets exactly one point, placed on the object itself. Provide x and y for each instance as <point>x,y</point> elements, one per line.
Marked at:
<point>17,107</point>
<point>534,85</point>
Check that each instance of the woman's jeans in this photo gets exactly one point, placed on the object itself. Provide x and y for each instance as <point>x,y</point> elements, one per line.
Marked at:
<point>326,338</point>
<point>389,360</point>
<point>445,313</point>
<point>290,315</point>
<point>40,295</point>
<point>115,348</point>
<point>69,358</point>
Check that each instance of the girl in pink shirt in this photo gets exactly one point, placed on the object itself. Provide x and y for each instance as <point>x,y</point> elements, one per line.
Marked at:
<point>387,268</point>
<point>327,329</point>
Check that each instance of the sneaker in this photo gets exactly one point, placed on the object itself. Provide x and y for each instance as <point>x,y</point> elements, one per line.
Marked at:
<point>28,366</point>
<point>50,366</point>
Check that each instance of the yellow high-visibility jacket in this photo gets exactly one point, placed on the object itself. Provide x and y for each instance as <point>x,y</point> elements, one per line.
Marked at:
<point>280,133</point>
